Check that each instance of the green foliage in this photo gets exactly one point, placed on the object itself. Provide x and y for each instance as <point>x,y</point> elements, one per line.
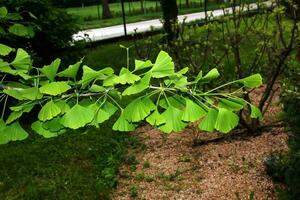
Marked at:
<point>163,97</point>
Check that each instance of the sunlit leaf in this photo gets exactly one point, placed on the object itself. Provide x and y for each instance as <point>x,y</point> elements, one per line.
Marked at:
<point>212,74</point>
<point>5,50</point>
<point>155,119</point>
<point>139,86</point>
<point>173,117</point>
<point>55,88</point>
<point>252,81</point>
<point>50,70</point>
<point>126,77</point>
<point>22,60</point>
<point>139,64</point>
<point>78,116</point>
<point>12,132</point>
<point>208,123</point>
<point>71,71</point>
<point>226,120</point>
<point>49,111</point>
<point>192,111</point>
<point>123,125</point>
<point>163,66</point>
<point>255,112</point>
<point>232,104</point>
<point>138,109</point>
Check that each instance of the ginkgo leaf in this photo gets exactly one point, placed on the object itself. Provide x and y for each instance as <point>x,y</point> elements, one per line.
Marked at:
<point>212,74</point>
<point>23,94</point>
<point>139,64</point>
<point>110,80</point>
<point>208,123</point>
<point>3,12</point>
<point>198,77</point>
<point>173,117</point>
<point>90,75</point>
<point>78,116</point>
<point>19,112</point>
<point>50,70</point>
<point>175,101</point>
<point>13,132</point>
<point>64,107</point>
<point>49,111</point>
<point>5,50</point>
<point>255,112</point>
<point>126,77</point>
<point>252,81</point>
<point>21,30</point>
<point>55,88</point>
<point>109,108</point>
<point>139,86</point>
<point>155,119</point>
<point>232,104</point>
<point>192,111</point>
<point>97,88</point>
<point>53,125</point>
<point>71,71</point>
<point>22,60</point>
<point>163,66</point>
<point>100,115</point>
<point>226,120</point>
<point>38,128</point>
<point>123,125</point>
<point>138,109</point>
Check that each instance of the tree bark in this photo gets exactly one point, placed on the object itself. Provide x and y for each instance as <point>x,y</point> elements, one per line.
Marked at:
<point>142,6</point>
<point>170,13</point>
<point>106,14</point>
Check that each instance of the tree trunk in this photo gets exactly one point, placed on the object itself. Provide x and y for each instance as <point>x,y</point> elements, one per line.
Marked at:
<point>142,6</point>
<point>170,13</point>
<point>187,3</point>
<point>106,14</point>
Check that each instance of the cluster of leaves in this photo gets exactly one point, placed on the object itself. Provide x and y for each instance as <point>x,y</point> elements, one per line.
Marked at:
<point>69,99</point>
<point>11,24</point>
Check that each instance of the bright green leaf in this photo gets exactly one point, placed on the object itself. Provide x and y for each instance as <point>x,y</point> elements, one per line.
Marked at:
<point>226,120</point>
<point>138,109</point>
<point>252,81</point>
<point>55,88</point>
<point>71,71</point>
<point>49,111</point>
<point>208,123</point>
<point>212,74</point>
<point>139,64</point>
<point>5,50</point>
<point>139,86</point>
<point>192,111</point>
<point>163,66</point>
<point>255,112</point>
<point>38,128</point>
<point>126,77</point>
<point>78,116</point>
<point>232,104</point>
<point>50,70</point>
<point>173,117</point>
<point>13,132</point>
<point>123,125</point>
<point>22,60</point>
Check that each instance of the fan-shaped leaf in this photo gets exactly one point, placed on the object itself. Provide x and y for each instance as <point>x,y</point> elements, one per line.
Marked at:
<point>163,66</point>
<point>138,109</point>
<point>123,125</point>
<point>173,117</point>
<point>192,111</point>
<point>13,132</point>
<point>49,111</point>
<point>252,81</point>
<point>255,112</point>
<point>55,88</point>
<point>50,70</point>
<point>139,86</point>
<point>22,60</point>
<point>53,125</point>
<point>139,64</point>
<point>155,119</point>
<point>71,71</point>
<point>208,123</point>
<point>38,128</point>
<point>212,74</point>
<point>226,120</point>
<point>5,50</point>
<point>126,77</point>
<point>232,104</point>
<point>78,116</point>
<point>21,30</point>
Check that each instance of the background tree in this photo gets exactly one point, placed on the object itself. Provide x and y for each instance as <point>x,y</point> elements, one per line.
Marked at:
<point>106,14</point>
<point>170,13</point>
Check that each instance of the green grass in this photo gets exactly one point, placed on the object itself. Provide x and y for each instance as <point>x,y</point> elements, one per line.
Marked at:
<point>81,165</point>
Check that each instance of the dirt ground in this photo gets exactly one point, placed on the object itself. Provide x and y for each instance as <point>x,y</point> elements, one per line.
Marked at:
<point>170,167</point>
